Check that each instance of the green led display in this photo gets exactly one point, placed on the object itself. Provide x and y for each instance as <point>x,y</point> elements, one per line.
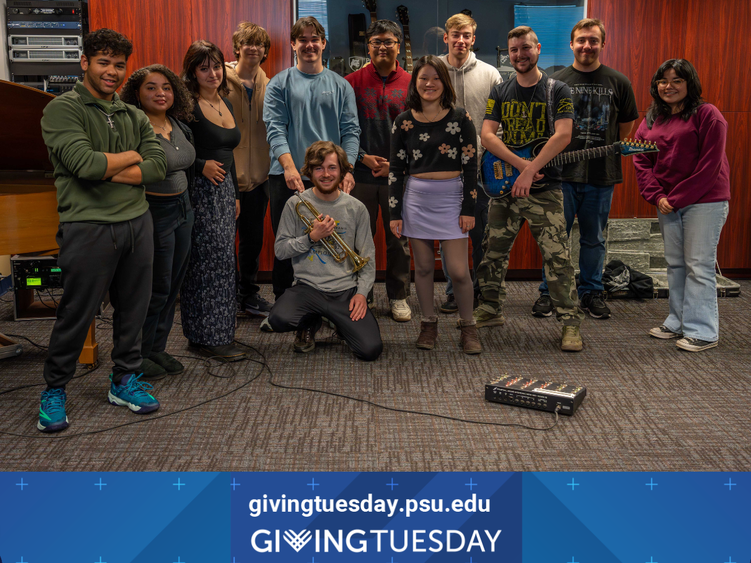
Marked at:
<point>33,281</point>
<point>56,270</point>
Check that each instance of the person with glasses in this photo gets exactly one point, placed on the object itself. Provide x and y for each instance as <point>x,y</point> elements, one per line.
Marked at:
<point>247,82</point>
<point>689,183</point>
<point>304,104</point>
<point>381,93</point>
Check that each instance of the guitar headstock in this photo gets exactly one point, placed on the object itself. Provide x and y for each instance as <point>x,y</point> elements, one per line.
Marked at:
<point>403,14</point>
<point>370,5</point>
<point>627,147</point>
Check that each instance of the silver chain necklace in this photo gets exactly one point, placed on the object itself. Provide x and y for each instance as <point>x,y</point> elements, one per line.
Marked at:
<point>524,112</point>
<point>108,116</point>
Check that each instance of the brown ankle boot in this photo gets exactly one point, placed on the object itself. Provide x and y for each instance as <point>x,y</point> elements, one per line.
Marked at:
<point>428,333</point>
<point>470,341</point>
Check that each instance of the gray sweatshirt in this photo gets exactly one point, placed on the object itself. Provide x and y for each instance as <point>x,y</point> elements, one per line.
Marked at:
<point>472,83</point>
<point>313,264</point>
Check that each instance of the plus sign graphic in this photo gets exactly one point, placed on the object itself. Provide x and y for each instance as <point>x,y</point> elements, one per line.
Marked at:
<point>651,560</point>
<point>178,560</point>
<point>233,485</point>
<point>22,561</point>
<point>100,485</point>
<point>100,560</point>
<point>392,561</point>
<point>470,560</point>
<point>651,484</point>
<point>392,485</point>
<point>471,484</point>
<point>313,484</point>
<point>729,484</point>
<point>22,485</point>
<point>572,560</point>
<point>572,484</point>
<point>730,560</point>
<point>179,485</point>
<point>314,560</point>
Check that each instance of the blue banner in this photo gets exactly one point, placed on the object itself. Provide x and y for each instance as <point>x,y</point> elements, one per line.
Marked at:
<point>375,517</point>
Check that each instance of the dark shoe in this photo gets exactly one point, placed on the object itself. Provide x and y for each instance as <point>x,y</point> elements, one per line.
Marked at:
<point>152,371</point>
<point>695,345</point>
<point>428,333</point>
<point>266,326</point>
<point>257,306</point>
<point>543,307</point>
<point>571,340</point>
<point>483,316</point>
<point>470,341</point>
<point>170,364</point>
<point>664,333</point>
<point>52,417</point>
<point>226,352</point>
<point>133,394</point>
<point>595,304</point>
<point>449,306</point>
<point>305,340</point>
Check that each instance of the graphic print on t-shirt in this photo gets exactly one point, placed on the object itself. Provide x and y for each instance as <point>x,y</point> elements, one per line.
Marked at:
<point>591,113</point>
<point>523,122</point>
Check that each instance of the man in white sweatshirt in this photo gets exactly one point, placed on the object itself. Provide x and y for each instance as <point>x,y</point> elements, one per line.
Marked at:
<point>473,80</point>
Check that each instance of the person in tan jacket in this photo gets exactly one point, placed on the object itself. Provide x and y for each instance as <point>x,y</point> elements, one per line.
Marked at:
<point>247,86</point>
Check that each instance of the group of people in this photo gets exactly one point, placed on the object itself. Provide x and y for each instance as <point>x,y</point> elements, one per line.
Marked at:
<point>154,185</point>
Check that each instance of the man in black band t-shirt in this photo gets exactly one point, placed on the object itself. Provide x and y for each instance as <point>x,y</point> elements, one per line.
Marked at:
<point>521,106</point>
<point>604,113</point>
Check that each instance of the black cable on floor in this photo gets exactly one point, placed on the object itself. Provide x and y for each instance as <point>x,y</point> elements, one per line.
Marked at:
<point>63,435</point>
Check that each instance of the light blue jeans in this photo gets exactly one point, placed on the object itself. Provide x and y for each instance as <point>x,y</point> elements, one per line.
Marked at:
<point>691,236</point>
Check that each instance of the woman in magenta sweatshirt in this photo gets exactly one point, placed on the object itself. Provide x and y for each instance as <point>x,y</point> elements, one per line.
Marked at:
<point>689,183</point>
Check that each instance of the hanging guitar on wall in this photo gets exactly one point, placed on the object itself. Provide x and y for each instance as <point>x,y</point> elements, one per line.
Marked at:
<point>403,14</point>
<point>370,6</point>
<point>358,50</point>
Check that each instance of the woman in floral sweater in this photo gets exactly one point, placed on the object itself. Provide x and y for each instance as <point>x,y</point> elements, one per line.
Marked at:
<point>433,149</point>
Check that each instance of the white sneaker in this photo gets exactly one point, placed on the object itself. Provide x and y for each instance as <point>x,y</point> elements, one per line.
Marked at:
<point>400,311</point>
<point>266,326</point>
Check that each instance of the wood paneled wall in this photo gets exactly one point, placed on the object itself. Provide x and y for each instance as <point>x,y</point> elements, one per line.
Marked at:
<point>641,34</point>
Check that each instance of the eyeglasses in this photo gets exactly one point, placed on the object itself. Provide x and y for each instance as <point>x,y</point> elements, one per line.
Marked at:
<point>388,43</point>
<point>676,82</point>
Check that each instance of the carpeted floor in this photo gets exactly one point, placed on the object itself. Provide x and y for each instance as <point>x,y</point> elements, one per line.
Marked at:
<point>650,406</point>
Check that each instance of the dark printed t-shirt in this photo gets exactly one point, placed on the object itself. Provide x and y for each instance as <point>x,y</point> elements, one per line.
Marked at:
<point>603,99</point>
<point>523,115</point>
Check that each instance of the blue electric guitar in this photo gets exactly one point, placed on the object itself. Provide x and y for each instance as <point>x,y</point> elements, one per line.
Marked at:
<point>499,176</point>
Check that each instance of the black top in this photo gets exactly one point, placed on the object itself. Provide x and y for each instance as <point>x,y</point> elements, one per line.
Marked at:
<point>214,142</point>
<point>603,99</point>
<point>447,145</point>
<point>523,115</point>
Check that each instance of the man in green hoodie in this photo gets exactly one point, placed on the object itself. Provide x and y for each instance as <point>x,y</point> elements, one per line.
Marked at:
<point>103,152</point>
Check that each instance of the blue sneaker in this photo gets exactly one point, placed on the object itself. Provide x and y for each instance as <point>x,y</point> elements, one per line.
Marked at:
<point>52,417</point>
<point>133,394</point>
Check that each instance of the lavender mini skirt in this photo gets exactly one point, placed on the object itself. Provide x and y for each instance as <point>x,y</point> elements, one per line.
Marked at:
<point>431,209</point>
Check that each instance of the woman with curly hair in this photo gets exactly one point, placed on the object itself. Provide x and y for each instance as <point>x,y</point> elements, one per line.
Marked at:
<point>166,101</point>
<point>433,146</point>
<point>689,183</point>
<point>208,298</point>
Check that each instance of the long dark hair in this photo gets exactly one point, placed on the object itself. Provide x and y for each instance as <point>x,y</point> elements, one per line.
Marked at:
<point>448,98</point>
<point>198,52</point>
<point>182,107</point>
<point>659,108</point>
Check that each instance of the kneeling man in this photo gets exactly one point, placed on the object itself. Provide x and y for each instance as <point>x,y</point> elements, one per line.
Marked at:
<point>324,287</point>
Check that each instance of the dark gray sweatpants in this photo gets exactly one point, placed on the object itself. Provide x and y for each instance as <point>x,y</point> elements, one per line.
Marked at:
<point>94,259</point>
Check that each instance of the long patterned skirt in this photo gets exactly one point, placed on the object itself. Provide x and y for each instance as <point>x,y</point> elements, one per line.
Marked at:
<point>207,298</point>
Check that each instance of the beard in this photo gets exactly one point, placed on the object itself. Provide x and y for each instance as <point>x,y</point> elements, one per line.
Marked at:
<point>531,65</point>
<point>326,190</point>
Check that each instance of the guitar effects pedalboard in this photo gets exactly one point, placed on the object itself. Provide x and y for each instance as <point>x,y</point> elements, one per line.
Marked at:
<point>536,394</point>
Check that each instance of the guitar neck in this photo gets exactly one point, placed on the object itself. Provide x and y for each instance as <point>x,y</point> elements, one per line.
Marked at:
<point>407,50</point>
<point>373,17</point>
<point>584,154</point>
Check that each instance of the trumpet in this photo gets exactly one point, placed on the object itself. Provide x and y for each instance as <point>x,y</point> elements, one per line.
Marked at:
<point>334,243</point>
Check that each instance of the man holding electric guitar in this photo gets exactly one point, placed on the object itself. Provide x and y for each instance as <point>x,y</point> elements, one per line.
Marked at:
<point>530,107</point>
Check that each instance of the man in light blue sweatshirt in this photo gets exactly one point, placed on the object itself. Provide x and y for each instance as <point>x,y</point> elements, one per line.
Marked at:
<point>304,104</point>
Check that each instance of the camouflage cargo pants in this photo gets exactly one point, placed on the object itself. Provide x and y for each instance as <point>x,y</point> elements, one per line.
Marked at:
<point>544,213</point>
